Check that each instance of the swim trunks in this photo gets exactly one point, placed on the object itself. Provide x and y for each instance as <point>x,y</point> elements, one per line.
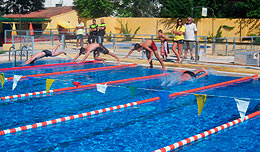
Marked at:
<point>47,53</point>
<point>153,46</point>
<point>192,74</point>
<point>99,50</point>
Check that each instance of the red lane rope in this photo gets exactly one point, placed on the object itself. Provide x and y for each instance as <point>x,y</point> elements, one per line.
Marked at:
<point>89,86</point>
<point>76,71</point>
<point>54,121</point>
<point>206,133</point>
<point>47,65</point>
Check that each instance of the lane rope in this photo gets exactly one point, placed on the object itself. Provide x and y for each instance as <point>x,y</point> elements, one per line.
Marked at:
<point>88,86</point>
<point>206,133</point>
<point>54,121</point>
<point>48,65</point>
<point>74,71</point>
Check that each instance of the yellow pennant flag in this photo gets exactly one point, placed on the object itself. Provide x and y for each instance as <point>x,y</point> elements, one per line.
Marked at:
<point>48,84</point>
<point>2,78</point>
<point>201,99</point>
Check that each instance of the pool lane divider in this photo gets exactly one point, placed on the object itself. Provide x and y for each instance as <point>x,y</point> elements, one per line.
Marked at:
<point>48,65</point>
<point>76,71</point>
<point>206,133</point>
<point>89,86</point>
<point>96,112</point>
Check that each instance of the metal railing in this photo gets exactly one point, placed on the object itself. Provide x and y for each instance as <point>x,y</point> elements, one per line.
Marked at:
<point>119,43</point>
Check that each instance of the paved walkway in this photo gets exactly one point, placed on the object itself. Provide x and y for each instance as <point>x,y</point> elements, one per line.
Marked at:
<point>222,64</point>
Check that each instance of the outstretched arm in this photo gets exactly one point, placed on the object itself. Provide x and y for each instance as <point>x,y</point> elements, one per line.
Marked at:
<point>129,53</point>
<point>75,58</point>
<point>85,57</point>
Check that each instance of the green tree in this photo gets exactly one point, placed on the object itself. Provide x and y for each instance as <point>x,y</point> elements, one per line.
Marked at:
<point>94,8</point>
<point>21,6</point>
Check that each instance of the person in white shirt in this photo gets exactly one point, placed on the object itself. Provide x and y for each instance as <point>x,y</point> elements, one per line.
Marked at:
<point>80,32</point>
<point>189,37</point>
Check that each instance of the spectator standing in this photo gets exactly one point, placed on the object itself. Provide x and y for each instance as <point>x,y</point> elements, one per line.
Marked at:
<point>189,37</point>
<point>178,39</point>
<point>93,29</point>
<point>101,31</point>
<point>80,32</point>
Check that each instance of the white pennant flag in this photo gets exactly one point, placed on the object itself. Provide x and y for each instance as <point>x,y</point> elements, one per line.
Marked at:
<point>242,106</point>
<point>102,88</point>
<point>15,80</point>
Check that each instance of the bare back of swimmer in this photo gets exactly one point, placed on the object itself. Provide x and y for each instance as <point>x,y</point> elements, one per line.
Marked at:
<point>187,75</point>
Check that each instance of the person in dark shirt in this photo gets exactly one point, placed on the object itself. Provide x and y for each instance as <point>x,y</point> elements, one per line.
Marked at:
<point>93,29</point>
<point>101,31</point>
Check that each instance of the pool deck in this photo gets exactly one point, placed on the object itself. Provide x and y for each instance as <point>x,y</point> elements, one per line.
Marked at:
<point>219,64</point>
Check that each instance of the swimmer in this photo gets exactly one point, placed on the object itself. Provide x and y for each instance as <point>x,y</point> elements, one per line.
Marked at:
<point>187,75</point>
<point>45,53</point>
<point>150,49</point>
<point>97,49</point>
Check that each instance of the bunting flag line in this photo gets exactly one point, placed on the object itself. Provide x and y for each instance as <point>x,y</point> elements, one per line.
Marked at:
<point>102,88</point>
<point>48,84</point>
<point>164,97</point>
<point>2,78</point>
<point>242,106</point>
<point>15,80</point>
<point>132,90</point>
<point>201,99</point>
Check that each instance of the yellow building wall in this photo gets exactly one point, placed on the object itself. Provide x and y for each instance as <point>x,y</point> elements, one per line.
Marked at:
<point>70,19</point>
<point>242,27</point>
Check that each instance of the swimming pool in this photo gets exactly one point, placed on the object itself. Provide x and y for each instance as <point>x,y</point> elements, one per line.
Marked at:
<point>144,127</point>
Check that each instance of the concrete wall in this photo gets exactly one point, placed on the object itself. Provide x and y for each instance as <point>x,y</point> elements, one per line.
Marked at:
<point>242,27</point>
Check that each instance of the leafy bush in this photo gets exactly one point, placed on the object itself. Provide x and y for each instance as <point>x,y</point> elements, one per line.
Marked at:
<point>126,30</point>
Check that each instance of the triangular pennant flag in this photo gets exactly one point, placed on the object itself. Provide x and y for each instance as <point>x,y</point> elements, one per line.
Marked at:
<point>164,97</point>
<point>31,79</point>
<point>15,80</point>
<point>132,90</point>
<point>48,84</point>
<point>77,84</point>
<point>102,88</point>
<point>242,106</point>
<point>2,78</point>
<point>201,99</point>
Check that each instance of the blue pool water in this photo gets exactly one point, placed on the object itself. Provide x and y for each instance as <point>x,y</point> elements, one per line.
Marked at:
<point>141,128</point>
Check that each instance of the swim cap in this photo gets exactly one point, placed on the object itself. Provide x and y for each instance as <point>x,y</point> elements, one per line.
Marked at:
<point>137,46</point>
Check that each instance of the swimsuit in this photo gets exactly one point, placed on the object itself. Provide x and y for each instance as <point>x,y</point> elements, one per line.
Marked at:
<point>47,53</point>
<point>99,50</point>
<point>192,74</point>
<point>153,46</point>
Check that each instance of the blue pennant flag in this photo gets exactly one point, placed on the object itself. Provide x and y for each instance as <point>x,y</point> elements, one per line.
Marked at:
<point>164,97</point>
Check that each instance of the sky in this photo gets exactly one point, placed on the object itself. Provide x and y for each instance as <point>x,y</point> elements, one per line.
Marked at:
<point>52,3</point>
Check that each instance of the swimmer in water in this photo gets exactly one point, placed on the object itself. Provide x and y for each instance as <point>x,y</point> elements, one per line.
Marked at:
<point>187,75</point>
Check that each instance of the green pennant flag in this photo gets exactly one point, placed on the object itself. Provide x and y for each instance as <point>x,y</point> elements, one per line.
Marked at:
<point>2,78</point>
<point>132,90</point>
<point>201,99</point>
